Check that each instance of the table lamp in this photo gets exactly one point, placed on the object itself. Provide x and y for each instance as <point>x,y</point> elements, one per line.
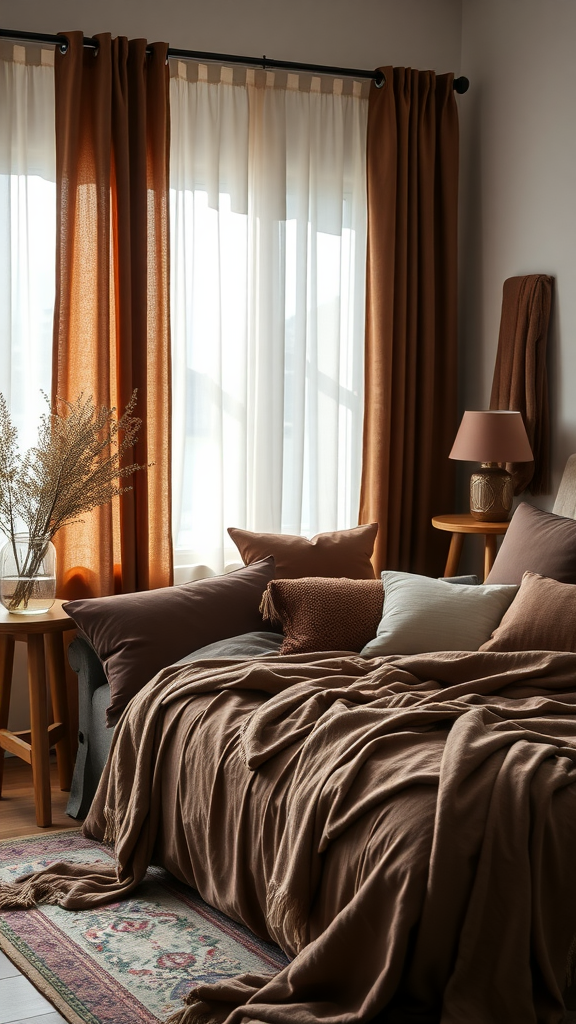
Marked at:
<point>493,437</point>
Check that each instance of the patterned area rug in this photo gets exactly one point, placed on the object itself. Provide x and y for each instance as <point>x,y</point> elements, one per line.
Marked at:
<point>129,961</point>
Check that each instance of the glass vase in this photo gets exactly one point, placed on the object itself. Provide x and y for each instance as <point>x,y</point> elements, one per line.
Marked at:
<point>28,574</point>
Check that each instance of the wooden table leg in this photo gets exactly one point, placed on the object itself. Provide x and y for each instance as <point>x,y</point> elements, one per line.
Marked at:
<point>39,729</point>
<point>6,666</point>
<point>454,553</point>
<point>57,677</point>
<point>489,552</point>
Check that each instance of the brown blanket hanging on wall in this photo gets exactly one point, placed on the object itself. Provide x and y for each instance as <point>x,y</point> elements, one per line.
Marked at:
<point>520,376</point>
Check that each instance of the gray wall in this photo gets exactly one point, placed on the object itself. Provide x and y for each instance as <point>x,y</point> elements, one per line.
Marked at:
<point>518,211</point>
<point>354,33</point>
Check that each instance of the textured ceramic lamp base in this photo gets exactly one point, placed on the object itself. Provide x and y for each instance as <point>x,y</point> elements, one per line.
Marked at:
<point>491,494</point>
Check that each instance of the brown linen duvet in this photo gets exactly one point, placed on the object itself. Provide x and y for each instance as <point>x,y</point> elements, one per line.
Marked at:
<point>404,828</point>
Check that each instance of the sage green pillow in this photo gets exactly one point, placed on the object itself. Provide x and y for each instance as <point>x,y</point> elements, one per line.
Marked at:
<point>423,614</point>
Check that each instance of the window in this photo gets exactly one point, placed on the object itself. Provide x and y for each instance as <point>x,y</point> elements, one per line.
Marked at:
<point>268,241</point>
<point>268,235</point>
<point>27,239</point>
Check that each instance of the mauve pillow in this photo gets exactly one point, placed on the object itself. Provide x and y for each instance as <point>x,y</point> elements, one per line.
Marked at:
<point>342,553</point>
<point>536,541</point>
<point>135,635</point>
<point>542,617</point>
<point>319,614</point>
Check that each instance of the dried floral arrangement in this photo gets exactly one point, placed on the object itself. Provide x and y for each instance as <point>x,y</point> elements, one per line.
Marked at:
<point>74,467</point>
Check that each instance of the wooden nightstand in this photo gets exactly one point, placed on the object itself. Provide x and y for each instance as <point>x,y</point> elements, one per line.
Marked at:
<point>458,526</point>
<point>41,631</point>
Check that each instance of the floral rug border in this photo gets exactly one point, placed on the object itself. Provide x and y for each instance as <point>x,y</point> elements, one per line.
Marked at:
<point>45,950</point>
<point>39,975</point>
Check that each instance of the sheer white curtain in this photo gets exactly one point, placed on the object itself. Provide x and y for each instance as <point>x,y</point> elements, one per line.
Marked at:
<point>27,231</point>
<point>268,237</point>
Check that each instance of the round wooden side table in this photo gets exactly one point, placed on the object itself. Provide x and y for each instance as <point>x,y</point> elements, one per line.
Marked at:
<point>43,634</point>
<point>458,526</point>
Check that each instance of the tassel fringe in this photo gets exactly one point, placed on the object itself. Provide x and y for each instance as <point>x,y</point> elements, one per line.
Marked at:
<point>30,893</point>
<point>268,609</point>
<point>243,742</point>
<point>112,826</point>
<point>284,918</point>
<point>194,1012</point>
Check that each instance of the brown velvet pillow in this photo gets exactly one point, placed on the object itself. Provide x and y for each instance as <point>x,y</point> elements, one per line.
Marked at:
<point>135,635</point>
<point>542,617</point>
<point>536,541</point>
<point>319,614</point>
<point>342,553</point>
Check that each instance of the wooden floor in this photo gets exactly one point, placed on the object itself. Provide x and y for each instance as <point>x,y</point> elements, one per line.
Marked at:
<point>20,1002</point>
<point>17,815</point>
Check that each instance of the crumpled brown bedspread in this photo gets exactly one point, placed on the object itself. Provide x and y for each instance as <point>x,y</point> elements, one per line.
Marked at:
<point>405,828</point>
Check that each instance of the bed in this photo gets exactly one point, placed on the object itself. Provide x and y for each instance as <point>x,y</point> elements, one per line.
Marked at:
<point>402,824</point>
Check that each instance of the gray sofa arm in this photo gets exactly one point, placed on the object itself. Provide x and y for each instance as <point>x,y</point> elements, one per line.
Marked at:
<point>86,663</point>
<point>94,738</point>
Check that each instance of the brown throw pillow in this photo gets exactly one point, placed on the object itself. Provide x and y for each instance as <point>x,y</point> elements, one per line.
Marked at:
<point>539,542</point>
<point>319,614</point>
<point>342,553</point>
<point>542,617</point>
<point>135,635</point>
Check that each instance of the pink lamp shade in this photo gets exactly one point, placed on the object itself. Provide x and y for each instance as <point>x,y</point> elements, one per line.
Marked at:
<point>492,436</point>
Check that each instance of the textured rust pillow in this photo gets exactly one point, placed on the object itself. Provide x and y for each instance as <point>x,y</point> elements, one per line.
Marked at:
<point>539,542</point>
<point>342,553</point>
<point>135,635</point>
<point>542,617</point>
<point>319,614</point>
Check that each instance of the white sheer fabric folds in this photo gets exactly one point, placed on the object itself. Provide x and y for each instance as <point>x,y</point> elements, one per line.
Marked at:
<point>28,235</point>
<point>268,249</point>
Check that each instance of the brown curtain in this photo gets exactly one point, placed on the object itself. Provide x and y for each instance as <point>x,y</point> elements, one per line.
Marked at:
<point>111,331</point>
<point>520,375</point>
<point>411,313</point>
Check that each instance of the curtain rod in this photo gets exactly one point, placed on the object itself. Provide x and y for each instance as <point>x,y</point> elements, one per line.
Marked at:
<point>460,84</point>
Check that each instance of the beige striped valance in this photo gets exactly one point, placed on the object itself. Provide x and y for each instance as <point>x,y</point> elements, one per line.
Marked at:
<point>215,74</point>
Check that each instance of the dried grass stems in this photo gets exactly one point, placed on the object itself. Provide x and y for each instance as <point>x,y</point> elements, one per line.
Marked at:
<point>76,466</point>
